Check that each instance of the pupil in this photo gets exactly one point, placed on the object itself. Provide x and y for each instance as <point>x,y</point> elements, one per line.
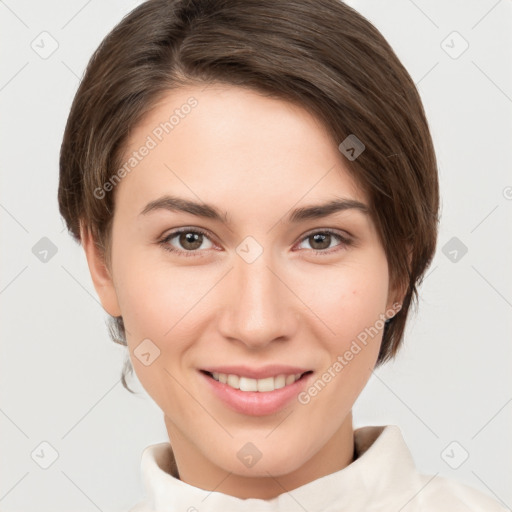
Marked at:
<point>321,238</point>
<point>192,239</point>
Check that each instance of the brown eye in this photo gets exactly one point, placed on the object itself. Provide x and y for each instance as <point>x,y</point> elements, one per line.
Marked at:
<point>186,241</point>
<point>321,241</point>
<point>190,240</point>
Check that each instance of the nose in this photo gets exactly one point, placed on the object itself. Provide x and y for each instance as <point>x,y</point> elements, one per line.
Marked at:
<point>260,307</point>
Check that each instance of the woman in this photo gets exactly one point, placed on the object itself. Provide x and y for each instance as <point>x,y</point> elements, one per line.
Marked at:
<point>255,188</point>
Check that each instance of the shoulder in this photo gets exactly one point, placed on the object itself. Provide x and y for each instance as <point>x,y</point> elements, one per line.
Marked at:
<point>390,468</point>
<point>445,494</point>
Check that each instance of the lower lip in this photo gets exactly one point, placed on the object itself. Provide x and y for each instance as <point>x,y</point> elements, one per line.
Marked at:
<point>256,403</point>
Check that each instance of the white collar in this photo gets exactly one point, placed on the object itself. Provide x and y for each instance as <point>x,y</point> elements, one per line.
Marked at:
<point>383,473</point>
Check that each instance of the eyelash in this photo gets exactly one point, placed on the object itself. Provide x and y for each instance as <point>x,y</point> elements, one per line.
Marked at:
<point>165,241</point>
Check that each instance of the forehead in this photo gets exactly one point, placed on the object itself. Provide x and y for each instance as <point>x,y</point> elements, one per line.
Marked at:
<point>233,144</point>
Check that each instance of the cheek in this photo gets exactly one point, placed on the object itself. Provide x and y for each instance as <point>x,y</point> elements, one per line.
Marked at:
<point>157,304</point>
<point>156,298</point>
<point>350,304</point>
<point>347,298</point>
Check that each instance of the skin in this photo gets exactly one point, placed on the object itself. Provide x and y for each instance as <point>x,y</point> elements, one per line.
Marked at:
<point>255,158</point>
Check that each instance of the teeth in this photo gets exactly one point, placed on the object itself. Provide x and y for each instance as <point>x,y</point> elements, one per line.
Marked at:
<point>247,384</point>
<point>262,385</point>
<point>234,381</point>
<point>266,384</point>
<point>279,382</point>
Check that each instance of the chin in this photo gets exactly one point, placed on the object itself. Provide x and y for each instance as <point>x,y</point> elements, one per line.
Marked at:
<point>261,458</point>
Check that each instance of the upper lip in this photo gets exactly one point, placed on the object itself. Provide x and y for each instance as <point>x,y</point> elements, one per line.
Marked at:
<point>257,373</point>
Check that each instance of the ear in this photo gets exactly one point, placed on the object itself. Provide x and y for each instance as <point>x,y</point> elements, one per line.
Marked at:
<point>396,298</point>
<point>101,277</point>
<point>397,292</point>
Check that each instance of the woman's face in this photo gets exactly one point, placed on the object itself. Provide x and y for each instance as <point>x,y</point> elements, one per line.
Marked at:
<point>258,284</point>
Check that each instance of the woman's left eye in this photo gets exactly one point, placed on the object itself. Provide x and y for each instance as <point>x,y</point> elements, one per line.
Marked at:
<point>324,238</point>
<point>191,241</point>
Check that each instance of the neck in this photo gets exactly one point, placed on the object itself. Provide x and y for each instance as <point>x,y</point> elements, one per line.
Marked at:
<point>198,470</point>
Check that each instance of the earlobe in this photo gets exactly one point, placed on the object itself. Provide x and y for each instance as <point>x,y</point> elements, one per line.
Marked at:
<point>101,277</point>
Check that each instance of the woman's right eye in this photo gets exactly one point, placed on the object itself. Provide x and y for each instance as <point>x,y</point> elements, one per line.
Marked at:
<point>189,239</point>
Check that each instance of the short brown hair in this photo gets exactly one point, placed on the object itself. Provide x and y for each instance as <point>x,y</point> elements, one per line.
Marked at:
<point>319,54</point>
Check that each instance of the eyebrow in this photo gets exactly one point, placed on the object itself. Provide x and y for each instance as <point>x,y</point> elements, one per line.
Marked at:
<point>177,204</point>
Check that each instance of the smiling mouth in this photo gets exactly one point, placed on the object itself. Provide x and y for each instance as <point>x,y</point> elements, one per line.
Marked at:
<point>262,385</point>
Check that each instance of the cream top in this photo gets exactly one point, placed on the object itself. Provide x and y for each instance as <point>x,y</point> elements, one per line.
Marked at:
<point>382,478</point>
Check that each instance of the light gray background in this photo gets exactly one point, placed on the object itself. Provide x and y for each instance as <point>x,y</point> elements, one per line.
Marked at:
<point>59,371</point>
